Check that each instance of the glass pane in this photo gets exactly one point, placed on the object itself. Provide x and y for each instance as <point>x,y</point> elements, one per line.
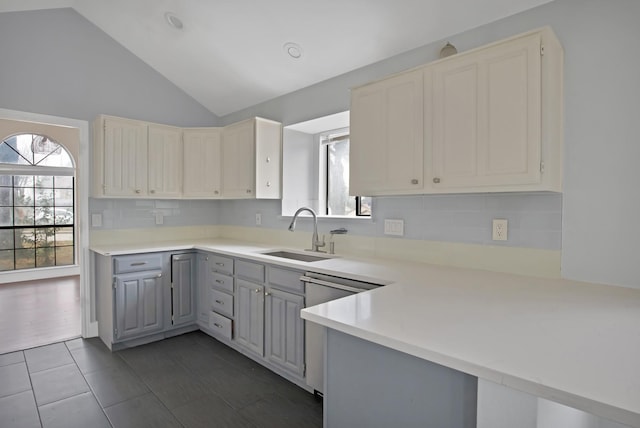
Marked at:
<point>64,256</point>
<point>64,197</point>
<point>59,158</point>
<point>25,237</point>
<point>64,215</point>
<point>64,182</point>
<point>45,237</point>
<point>45,257</point>
<point>23,216</point>
<point>44,181</point>
<point>338,200</point>
<point>44,197</point>
<point>6,216</point>
<point>6,239</point>
<point>6,196</point>
<point>64,236</point>
<point>6,260</point>
<point>23,180</point>
<point>25,259</point>
<point>44,216</point>
<point>365,205</point>
<point>6,180</point>
<point>9,155</point>
<point>23,145</point>
<point>23,196</point>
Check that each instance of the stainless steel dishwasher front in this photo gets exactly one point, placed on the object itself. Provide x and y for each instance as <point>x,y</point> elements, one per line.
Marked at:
<point>321,289</point>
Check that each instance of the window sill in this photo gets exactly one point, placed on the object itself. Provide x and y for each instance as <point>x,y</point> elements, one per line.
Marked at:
<point>329,217</point>
<point>39,273</point>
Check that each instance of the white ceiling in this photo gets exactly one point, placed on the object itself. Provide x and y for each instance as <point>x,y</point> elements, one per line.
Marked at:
<point>230,54</point>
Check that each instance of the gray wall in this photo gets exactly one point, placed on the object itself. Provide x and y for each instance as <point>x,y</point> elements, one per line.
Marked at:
<point>600,227</point>
<point>56,62</point>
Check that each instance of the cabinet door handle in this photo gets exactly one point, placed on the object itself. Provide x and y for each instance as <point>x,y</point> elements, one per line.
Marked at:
<point>268,159</point>
<point>152,191</point>
<point>216,192</point>
<point>217,325</point>
<point>220,264</point>
<point>267,294</point>
<point>248,190</point>
<point>436,180</point>
<point>268,184</point>
<point>159,275</point>
<point>414,181</point>
<point>220,302</point>
<point>257,290</point>
<point>138,190</point>
<point>219,281</point>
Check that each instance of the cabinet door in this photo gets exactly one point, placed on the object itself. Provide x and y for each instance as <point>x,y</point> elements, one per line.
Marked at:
<point>165,161</point>
<point>238,160</point>
<point>203,278</point>
<point>249,314</point>
<point>386,147</point>
<point>138,304</point>
<point>183,302</point>
<point>268,159</point>
<point>487,117</point>
<point>202,163</point>
<point>125,158</point>
<point>284,331</point>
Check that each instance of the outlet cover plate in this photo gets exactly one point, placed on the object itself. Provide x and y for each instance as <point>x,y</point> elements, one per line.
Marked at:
<point>500,229</point>
<point>394,227</point>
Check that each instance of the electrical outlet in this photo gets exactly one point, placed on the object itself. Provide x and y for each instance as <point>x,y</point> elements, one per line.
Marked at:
<point>393,227</point>
<point>258,219</point>
<point>96,220</point>
<point>159,218</point>
<point>500,229</point>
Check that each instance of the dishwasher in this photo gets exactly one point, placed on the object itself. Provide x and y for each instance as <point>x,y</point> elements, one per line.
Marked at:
<point>321,289</point>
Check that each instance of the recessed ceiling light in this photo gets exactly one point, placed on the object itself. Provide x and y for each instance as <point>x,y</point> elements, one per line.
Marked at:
<point>174,21</point>
<point>293,50</point>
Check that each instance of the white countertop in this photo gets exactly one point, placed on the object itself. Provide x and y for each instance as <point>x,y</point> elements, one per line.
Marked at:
<point>571,342</point>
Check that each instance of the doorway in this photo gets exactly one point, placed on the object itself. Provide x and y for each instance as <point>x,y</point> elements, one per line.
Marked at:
<point>48,297</point>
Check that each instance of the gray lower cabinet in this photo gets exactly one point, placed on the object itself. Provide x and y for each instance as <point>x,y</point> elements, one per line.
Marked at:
<point>138,304</point>
<point>249,315</point>
<point>284,331</point>
<point>183,289</point>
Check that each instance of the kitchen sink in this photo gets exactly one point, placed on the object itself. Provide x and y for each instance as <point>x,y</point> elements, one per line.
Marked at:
<point>302,257</point>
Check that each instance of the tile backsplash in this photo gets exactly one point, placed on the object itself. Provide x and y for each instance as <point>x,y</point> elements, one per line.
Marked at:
<point>535,219</point>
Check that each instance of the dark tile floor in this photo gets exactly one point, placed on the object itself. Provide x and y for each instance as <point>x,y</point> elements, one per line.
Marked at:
<point>186,381</point>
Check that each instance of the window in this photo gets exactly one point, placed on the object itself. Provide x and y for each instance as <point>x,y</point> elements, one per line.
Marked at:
<point>36,203</point>
<point>338,200</point>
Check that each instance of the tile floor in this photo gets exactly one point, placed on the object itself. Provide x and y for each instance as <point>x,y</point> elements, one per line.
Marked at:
<point>186,381</point>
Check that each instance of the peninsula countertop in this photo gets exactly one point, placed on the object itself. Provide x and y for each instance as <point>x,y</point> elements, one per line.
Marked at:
<point>573,342</point>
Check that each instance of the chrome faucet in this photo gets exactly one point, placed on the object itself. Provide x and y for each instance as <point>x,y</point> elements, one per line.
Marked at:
<point>315,243</point>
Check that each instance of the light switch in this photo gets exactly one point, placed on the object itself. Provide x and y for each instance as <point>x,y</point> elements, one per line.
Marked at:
<point>394,227</point>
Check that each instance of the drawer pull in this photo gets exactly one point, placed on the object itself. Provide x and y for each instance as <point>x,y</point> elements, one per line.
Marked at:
<point>138,264</point>
<point>220,264</point>
<point>220,302</point>
<point>218,325</point>
<point>257,290</point>
<point>219,281</point>
<point>267,294</point>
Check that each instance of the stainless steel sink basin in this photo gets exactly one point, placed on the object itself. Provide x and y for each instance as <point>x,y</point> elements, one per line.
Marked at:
<point>303,257</point>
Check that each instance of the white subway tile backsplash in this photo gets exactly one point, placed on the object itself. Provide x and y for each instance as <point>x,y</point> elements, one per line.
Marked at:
<point>535,219</point>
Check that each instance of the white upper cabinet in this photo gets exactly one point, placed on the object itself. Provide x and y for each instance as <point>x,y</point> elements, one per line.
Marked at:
<point>487,116</point>
<point>386,148</point>
<point>490,121</point>
<point>252,159</point>
<point>202,163</point>
<point>120,157</point>
<point>139,159</point>
<point>165,161</point>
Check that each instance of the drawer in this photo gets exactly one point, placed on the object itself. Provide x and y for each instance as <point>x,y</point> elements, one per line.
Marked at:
<point>222,302</point>
<point>221,325</point>
<point>222,282</point>
<point>137,263</point>
<point>251,271</point>
<point>285,279</point>
<point>222,264</point>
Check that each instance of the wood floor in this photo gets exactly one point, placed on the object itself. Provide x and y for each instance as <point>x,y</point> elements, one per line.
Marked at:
<point>37,313</point>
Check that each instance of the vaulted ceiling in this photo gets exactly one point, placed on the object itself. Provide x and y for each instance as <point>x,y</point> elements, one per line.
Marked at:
<point>230,54</point>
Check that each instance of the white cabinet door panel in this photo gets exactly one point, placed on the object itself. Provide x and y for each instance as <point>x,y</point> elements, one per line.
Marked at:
<point>202,163</point>
<point>165,161</point>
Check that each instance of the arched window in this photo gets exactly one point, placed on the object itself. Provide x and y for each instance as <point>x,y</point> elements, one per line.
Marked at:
<point>36,203</point>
